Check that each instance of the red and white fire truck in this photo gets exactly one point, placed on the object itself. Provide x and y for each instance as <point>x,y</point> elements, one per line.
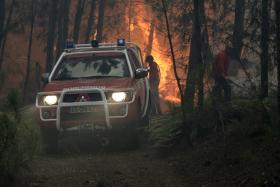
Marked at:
<point>94,87</point>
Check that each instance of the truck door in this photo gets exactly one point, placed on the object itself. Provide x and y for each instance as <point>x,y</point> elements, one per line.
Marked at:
<point>141,84</point>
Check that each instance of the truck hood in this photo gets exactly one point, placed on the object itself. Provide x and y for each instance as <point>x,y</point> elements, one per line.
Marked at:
<point>104,83</point>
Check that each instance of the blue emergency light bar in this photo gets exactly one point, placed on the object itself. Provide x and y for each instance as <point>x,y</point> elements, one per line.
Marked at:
<point>121,42</point>
<point>70,44</point>
<point>94,43</point>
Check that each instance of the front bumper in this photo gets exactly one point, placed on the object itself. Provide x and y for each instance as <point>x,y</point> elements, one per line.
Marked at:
<point>86,114</point>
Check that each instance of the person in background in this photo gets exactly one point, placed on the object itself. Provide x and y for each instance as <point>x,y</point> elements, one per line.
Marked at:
<point>154,80</point>
<point>220,73</point>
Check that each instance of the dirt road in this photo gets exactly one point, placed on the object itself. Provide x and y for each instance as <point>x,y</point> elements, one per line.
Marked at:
<point>248,163</point>
<point>238,160</point>
<point>82,162</point>
<point>138,168</point>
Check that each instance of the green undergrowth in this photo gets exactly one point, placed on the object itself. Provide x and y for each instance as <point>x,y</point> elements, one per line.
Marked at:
<point>241,117</point>
<point>19,138</point>
<point>164,130</point>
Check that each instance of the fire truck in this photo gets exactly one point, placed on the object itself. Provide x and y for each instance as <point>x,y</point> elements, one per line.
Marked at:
<point>94,87</point>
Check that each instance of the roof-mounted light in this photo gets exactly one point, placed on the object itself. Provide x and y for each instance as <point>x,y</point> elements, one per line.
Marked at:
<point>94,43</point>
<point>70,44</point>
<point>121,42</point>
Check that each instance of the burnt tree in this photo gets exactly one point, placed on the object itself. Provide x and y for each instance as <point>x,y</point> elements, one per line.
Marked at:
<point>62,26</point>
<point>2,19</point>
<point>51,34</point>
<point>195,66</point>
<point>264,49</point>
<point>205,53</point>
<point>101,11</point>
<point>78,19</point>
<point>238,28</point>
<point>29,52</point>
<point>59,28</point>
<point>151,37</point>
<point>185,127</point>
<point>277,10</point>
<point>7,24</point>
<point>65,28</point>
<point>91,21</point>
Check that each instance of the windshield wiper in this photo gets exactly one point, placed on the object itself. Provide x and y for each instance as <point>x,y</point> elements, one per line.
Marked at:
<point>100,77</point>
<point>65,79</point>
<point>82,78</point>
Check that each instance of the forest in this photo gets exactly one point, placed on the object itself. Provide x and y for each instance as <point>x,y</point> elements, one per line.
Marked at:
<point>213,129</point>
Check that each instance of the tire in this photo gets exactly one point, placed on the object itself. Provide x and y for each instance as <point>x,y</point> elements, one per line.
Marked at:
<point>131,137</point>
<point>50,140</point>
<point>125,137</point>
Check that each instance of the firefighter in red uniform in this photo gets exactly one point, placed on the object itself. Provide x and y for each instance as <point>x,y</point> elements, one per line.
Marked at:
<point>154,80</point>
<point>220,72</point>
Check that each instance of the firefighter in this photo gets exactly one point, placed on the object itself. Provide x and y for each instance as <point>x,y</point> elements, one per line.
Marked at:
<point>220,73</point>
<point>154,80</point>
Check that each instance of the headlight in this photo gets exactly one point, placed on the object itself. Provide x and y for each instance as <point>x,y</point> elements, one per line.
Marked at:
<point>119,96</point>
<point>50,99</point>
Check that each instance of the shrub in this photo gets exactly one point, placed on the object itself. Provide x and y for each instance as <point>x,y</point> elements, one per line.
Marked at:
<point>243,117</point>
<point>19,138</point>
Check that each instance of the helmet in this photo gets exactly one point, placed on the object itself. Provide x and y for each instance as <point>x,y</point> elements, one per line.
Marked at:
<point>149,58</point>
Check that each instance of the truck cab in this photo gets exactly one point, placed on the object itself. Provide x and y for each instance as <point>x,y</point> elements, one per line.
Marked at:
<point>93,87</point>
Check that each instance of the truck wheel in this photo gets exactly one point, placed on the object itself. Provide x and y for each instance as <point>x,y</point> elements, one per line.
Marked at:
<point>50,139</point>
<point>131,137</point>
<point>125,136</point>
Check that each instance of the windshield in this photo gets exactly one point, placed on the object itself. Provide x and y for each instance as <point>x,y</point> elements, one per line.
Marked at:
<point>92,65</point>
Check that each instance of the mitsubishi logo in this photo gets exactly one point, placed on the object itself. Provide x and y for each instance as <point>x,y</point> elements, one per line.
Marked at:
<point>83,98</point>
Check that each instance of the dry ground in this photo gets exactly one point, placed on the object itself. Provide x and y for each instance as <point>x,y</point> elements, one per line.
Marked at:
<point>215,160</point>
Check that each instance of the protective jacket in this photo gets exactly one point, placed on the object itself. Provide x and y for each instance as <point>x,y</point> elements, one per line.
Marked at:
<point>220,66</point>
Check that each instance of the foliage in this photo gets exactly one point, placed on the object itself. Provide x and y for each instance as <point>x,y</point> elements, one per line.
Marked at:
<point>19,139</point>
<point>241,118</point>
<point>165,130</point>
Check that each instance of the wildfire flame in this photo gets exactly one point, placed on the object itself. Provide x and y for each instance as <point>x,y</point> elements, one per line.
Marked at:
<point>139,33</point>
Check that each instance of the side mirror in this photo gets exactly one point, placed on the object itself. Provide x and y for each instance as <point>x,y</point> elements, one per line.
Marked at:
<point>141,73</point>
<point>45,77</point>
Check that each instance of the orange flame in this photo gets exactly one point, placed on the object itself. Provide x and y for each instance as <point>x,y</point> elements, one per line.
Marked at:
<point>139,32</point>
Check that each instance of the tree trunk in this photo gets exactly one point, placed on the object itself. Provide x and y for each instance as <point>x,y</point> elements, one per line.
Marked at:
<point>78,18</point>
<point>99,35</point>
<point>91,21</point>
<point>186,127</point>
<point>151,37</point>
<point>2,19</point>
<point>191,76</point>
<point>205,53</point>
<point>62,26</point>
<point>59,28</point>
<point>238,28</point>
<point>51,34</point>
<point>277,10</point>
<point>5,33</point>
<point>66,6</point>
<point>264,48</point>
<point>29,53</point>
<point>129,19</point>
<point>38,76</point>
<point>195,66</point>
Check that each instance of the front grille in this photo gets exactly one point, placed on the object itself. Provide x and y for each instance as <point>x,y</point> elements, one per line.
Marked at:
<point>82,114</point>
<point>81,97</point>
